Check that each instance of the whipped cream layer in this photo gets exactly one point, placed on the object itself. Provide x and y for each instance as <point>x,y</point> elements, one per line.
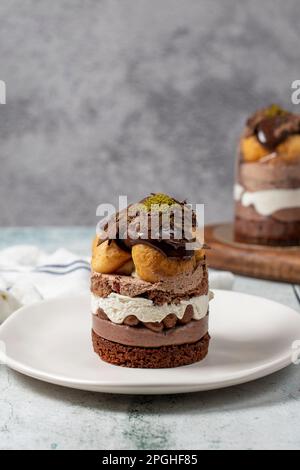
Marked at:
<point>268,201</point>
<point>117,307</point>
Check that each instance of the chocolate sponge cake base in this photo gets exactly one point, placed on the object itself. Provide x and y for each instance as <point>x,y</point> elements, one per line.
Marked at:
<point>150,358</point>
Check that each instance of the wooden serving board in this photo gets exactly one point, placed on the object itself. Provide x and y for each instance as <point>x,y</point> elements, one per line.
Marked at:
<point>266,262</point>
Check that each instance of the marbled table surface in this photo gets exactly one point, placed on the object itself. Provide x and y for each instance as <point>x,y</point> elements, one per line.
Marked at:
<point>261,414</point>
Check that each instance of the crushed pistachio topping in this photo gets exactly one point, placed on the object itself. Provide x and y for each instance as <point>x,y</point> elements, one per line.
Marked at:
<point>158,199</point>
<point>274,110</point>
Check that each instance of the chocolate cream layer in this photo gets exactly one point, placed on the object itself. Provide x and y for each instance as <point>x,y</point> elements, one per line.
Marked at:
<point>143,337</point>
<point>170,290</point>
<point>268,190</point>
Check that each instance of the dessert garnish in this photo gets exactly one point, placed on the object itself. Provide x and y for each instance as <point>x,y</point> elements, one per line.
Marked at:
<point>276,126</point>
<point>159,221</point>
<point>272,130</point>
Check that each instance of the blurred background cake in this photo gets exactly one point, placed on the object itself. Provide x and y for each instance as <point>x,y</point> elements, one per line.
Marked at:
<point>149,294</point>
<point>267,189</point>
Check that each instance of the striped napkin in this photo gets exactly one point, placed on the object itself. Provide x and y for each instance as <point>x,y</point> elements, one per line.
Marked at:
<point>28,275</point>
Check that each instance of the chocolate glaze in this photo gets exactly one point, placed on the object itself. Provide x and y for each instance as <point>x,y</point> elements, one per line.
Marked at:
<point>170,248</point>
<point>272,130</point>
<point>266,132</point>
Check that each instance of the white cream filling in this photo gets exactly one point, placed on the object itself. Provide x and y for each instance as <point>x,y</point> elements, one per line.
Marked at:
<point>117,307</point>
<point>268,201</point>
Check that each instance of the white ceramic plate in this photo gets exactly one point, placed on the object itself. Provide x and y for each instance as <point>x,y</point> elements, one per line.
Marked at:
<point>251,337</point>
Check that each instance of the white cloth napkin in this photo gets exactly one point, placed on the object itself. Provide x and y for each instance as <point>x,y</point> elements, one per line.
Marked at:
<point>28,275</point>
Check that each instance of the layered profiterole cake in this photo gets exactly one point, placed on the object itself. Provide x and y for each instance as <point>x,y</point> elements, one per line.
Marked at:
<point>149,292</point>
<point>267,190</point>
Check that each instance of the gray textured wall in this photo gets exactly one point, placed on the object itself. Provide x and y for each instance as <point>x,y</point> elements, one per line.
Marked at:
<point>132,96</point>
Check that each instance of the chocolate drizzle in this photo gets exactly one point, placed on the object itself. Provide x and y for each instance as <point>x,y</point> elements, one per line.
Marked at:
<point>164,237</point>
<point>272,126</point>
<point>273,131</point>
